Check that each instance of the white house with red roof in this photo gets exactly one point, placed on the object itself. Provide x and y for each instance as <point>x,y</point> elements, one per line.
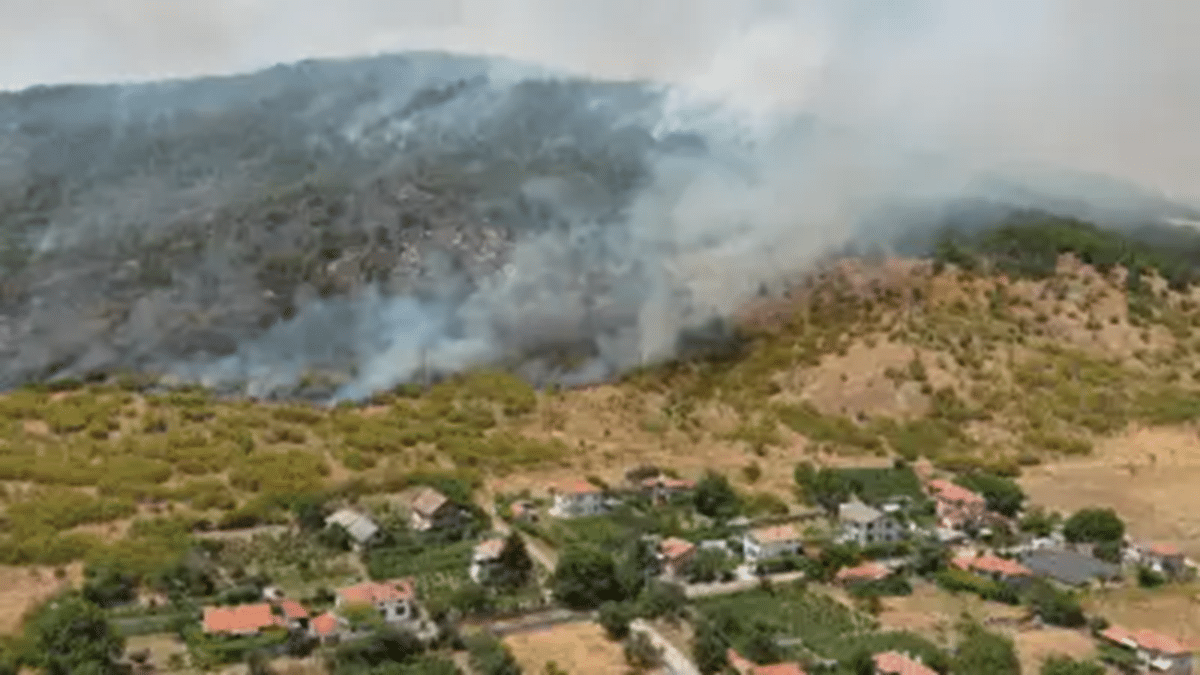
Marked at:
<point>577,498</point>
<point>865,573</point>
<point>1156,652</point>
<point>993,567</point>
<point>484,558</point>
<point>663,488</point>
<point>396,600</point>
<point>675,555</point>
<point>764,543</point>
<point>1163,558</point>
<point>957,507</point>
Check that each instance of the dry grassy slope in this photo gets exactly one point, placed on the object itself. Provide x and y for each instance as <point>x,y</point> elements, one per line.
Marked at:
<point>860,362</point>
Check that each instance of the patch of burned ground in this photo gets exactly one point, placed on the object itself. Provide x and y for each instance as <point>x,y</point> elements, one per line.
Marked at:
<point>1148,475</point>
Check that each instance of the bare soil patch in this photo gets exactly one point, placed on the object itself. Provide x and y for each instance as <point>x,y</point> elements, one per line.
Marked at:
<point>1035,646</point>
<point>23,588</point>
<point>1149,476</point>
<point>577,648</point>
<point>933,612</point>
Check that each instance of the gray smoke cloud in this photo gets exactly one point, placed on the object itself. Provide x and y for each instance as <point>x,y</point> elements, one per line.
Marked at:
<point>1096,85</point>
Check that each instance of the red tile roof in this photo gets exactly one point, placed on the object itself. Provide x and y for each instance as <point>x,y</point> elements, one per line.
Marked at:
<point>489,549</point>
<point>950,492</point>
<point>240,619</point>
<point>372,592</point>
<point>293,610</point>
<point>895,663</point>
<point>869,571</point>
<point>576,487</point>
<point>674,548</point>
<point>1163,550</point>
<point>776,534</point>
<point>669,483</point>
<point>325,625</point>
<point>1145,639</point>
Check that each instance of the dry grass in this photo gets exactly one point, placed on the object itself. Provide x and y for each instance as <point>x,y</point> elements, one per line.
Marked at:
<point>1171,610</point>
<point>1035,646</point>
<point>23,588</point>
<point>577,648</point>
<point>933,612</point>
<point>1148,475</point>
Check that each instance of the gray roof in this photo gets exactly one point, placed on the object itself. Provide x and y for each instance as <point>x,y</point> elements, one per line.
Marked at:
<point>857,512</point>
<point>360,527</point>
<point>1069,567</point>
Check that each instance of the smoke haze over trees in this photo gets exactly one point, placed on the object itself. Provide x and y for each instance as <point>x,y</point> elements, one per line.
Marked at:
<point>337,227</point>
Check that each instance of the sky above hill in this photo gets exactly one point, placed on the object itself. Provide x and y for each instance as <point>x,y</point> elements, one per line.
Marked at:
<point>1104,85</point>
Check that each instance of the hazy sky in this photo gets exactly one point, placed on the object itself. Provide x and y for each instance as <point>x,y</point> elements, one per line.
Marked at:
<point>1109,85</point>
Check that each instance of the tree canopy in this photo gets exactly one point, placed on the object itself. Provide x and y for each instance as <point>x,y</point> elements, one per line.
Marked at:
<point>586,577</point>
<point>981,652</point>
<point>1094,525</point>
<point>69,635</point>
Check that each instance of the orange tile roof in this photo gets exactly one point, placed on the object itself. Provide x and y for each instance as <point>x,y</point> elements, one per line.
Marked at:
<point>240,619</point>
<point>674,548</point>
<point>775,534</point>
<point>1145,639</point>
<point>669,483</point>
<point>372,592</point>
<point>325,625</point>
<point>428,501</point>
<point>489,549</point>
<point>951,492</point>
<point>577,487</point>
<point>738,662</point>
<point>869,571</point>
<point>1157,642</point>
<point>293,610</point>
<point>1164,550</point>
<point>895,663</point>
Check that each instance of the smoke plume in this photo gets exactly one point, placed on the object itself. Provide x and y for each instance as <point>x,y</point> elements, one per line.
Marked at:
<point>808,119</point>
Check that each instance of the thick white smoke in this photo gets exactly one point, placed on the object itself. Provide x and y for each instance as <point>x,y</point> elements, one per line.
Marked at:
<point>1099,85</point>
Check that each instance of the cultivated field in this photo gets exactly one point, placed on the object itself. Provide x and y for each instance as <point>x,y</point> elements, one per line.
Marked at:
<point>577,648</point>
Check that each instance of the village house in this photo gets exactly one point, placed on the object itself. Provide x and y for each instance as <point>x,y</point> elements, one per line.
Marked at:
<point>895,663</point>
<point>395,600</point>
<point>957,507</point>
<point>663,488</point>
<point>577,499</point>
<point>865,526</point>
<point>360,527</point>
<point>327,628</point>
<point>485,558</point>
<point>431,510</point>
<point>1070,568</point>
<point>1165,559</point>
<point>1155,652</point>
<point>243,620</point>
<point>764,543</point>
<point>523,511</point>
<point>865,573</point>
<point>744,666</point>
<point>675,554</point>
<point>993,567</point>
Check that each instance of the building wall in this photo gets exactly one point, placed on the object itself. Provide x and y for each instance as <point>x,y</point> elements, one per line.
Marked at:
<point>753,550</point>
<point>883,530</point>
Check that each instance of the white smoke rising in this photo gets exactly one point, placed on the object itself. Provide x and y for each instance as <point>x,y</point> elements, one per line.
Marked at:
<point>1098,85</point>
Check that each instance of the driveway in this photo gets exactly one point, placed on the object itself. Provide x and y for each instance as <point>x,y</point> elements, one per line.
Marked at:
<point>675,662</point>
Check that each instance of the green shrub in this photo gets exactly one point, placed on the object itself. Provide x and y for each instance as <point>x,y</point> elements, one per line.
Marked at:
<point>289,472</point>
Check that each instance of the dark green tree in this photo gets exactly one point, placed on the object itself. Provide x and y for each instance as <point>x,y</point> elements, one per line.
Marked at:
<point>660,599</point>
<point>715,497</point>
<point>1065,665</point>
<point>761,643</point>
<point>489,656</point>
<point>1056,607</point>
<point>69,635</point>
<point>981,652</point>
<point>514,569</point>
<point>615,618</point>
<point>1003,495</point>
<point>709,643</point>
<point>108,587</point>
<point>586,577</point>
<point>1094,525</point>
